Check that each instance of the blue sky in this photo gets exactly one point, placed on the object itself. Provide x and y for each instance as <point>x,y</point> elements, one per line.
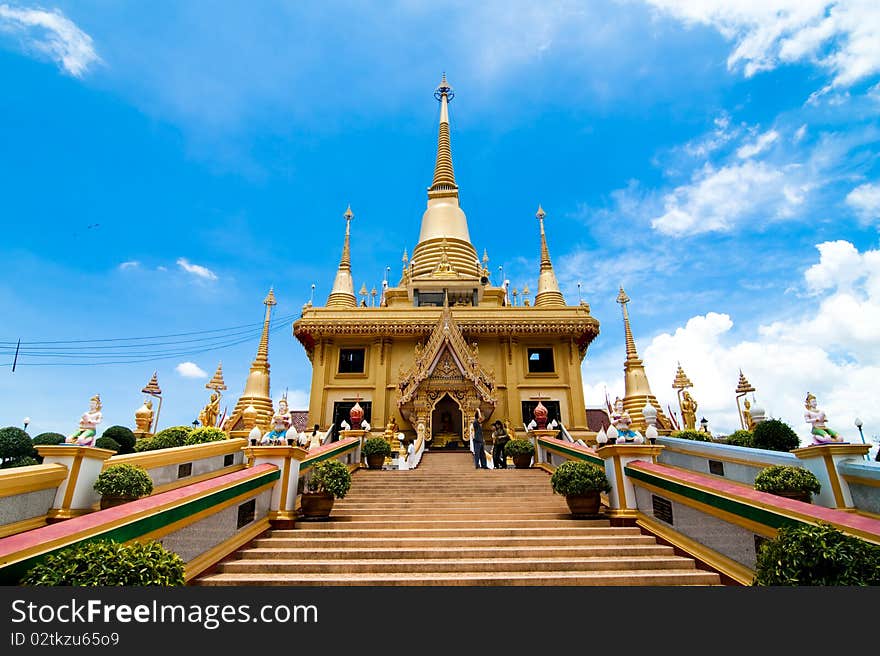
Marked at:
<point>162,165</point>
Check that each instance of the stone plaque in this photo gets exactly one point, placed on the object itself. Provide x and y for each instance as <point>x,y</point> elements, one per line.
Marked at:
<point>246,513</point>
<point>184,470</point>
<point>229,459</point>
<point>716,467</point>
<point>662,508</point>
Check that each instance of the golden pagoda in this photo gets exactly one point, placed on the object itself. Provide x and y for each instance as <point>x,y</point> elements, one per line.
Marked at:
<point>256,388</point>
<point>637,390</point>
<point>445,340</point>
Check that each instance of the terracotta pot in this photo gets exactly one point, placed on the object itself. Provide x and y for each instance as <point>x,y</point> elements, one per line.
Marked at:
<point>584,505</point>
<point>317,504</point>
<point>375,461</point>
<point>112,502</point>
<point>806,497</point>
<point>523,461</point>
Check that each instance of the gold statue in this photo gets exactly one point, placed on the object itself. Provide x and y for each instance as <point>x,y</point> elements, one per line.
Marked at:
<point>688,410</point>
<point>143,417</point>
<point>208,415</point>
<point>748,422</point>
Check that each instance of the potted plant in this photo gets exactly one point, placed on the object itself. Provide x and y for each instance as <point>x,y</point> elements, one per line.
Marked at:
<point>329,480</point>
<point>521,451</point>
<point>122,483</point>
<point>787,481</point>
<point>375,450</point>
<point>581,484</point>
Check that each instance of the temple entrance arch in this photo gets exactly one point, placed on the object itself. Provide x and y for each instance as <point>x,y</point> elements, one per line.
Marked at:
<point>447,424</point>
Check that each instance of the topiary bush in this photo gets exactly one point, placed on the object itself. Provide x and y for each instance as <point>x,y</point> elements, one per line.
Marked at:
<point>817,555</point>
<point>23,461</point>
<point>123,436</point>
<point>167,438</point>
<point>109,443</point>
<point>124,480</point>
<point>690,434</point>
<point>106,563</point>
<point>50,439</point>
<point>14,444</point>
<point>577,477</point>
<point>775,435</point>
<point>376,446</point>
<point>519,447</point>
<point>741,438</point>
<point>330,476</point>
<point>205,434</point>
<point>785,479</point>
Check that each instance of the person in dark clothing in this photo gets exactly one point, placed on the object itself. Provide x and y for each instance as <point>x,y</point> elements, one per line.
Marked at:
<point>479,444</point>
<point>500,439</point>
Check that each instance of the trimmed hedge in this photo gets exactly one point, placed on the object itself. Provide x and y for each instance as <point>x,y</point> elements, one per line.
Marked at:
<point>690,434</point>
<point>785,478</point>
<point>775,435</point>
<point>519,447</point>
<point>14,444</point>
<point>741,438</point>
<point>50,439</point>
<point>23,461</point>
<point>167,438</point>
<point>576,477</point>
<point>106,563</point>
<point>124,480</point>
<point>817,555</point>
<point>123,436</point>
<point>330,476</point>
<point>205,434</point>
<point>105,442</point>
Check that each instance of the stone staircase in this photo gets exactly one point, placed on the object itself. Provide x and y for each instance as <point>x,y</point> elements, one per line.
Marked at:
<point>446,523</point>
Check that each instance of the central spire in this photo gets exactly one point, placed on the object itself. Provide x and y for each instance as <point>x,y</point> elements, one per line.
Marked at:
<point>444,175</point>
<point>548,287</point>
<point>444,219</point>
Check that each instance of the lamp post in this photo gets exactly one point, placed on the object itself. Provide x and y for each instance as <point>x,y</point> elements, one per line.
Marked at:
<point>861,434</point>
<point>27,420</point>
<point>704,425</point>
<point>195,423</point>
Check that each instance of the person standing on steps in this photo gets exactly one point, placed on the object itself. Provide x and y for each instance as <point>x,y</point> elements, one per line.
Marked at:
<point>479,444</point>
<point>500,439</point>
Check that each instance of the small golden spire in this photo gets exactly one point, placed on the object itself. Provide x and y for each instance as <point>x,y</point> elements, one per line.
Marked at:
<point>342,293</point>
<point>485,257</point>
<point>681,380</point>
<point>631,353</point>
<point>548,294</point>
<point>744,385</point>
<point>152,388</point>
<point>263,349</point>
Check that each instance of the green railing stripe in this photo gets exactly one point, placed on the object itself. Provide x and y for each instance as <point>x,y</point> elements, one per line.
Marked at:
<point>577,455</point>
<point>311,461</point>
<point>747,511</point>
<point>10,574</point>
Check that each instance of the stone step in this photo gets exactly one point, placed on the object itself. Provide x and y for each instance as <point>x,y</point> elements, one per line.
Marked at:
<point>487,552</point>
<point>502,531</point>
<point>463,514</point>
<point>451,542</point>
<point>597,578</point>
<point>440,522</point>
<point>447,565</point>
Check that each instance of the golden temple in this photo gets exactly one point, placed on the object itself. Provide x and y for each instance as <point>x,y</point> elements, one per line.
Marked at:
<point>445,340</point>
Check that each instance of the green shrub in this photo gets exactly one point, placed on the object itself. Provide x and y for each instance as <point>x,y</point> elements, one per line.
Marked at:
<point>376,446</point>
<point>23,461</point>
<point>690,434</point>
<point>167,438</point>
<point>576,477</point>
<point>330,476</point>
<point>50,439</point>
<point>741,438</point>
<point>123,436</point>
<point>817,555</point>
<point>14,443</point>
<point>785,478</point>
<point>205,434</point>
<point>775,435</point>
<point>106,563</point>
<point>105,442</point>
<point>519,447</point>
<point>124,480</point>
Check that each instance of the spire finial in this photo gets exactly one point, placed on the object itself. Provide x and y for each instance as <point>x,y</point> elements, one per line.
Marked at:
<point>342,293</point>
<point>263,349</point>
<point>444,176</point>
<point>631,353</point>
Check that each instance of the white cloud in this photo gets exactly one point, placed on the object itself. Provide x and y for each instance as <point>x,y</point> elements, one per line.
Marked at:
<point>761,144</point>
<point>190,370</point>
<point>842,37</point>
<point>832,349</point>
<point>719,199</point>
<point>131,264</point>
<point>865,200</point>
<point>52,34</point>
<point>799,134</point>
<point>196,269</point>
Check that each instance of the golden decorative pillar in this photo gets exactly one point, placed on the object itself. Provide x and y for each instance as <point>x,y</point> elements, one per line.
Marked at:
<point>152,388</point>
<point>743,387</point>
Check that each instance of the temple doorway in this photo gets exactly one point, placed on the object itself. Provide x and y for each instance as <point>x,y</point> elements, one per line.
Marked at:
<point>446,425</point>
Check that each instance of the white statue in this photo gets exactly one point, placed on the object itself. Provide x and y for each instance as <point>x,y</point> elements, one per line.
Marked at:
<point>822,434</point>
<point>281,421</point>
<point>88,423</point>
<point>621,421</point>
